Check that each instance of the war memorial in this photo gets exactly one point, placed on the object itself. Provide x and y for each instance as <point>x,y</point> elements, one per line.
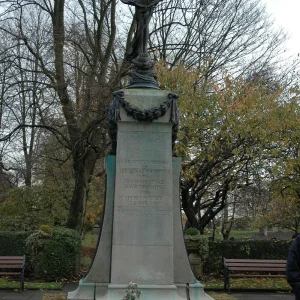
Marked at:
<point>141,238</point>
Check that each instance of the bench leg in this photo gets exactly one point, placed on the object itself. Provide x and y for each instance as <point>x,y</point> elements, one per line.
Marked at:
<point>226,280</point>
<point>22,281</point>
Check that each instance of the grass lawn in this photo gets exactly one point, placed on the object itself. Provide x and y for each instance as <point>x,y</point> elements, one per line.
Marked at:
<point>89,244</point>
<point>7,283</point>
<point>90,239</point>
<point>250,283</point>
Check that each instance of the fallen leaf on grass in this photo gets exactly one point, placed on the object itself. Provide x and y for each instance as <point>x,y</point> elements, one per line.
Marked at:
<point>54,297</point>
<point>221,296</point>
<point>245,283</point>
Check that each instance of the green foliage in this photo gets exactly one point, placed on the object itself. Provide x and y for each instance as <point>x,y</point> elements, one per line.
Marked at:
<point>13,243</point>
<point>35,242</point>
<point>95,202</point>
<point>46,229</point>
<point>203,248</point>
<point>192,231</point>
<point>56,256</point>
<point>26,208</point>
<point>230,131</point>
<point>198,243</point>
<point>15,284</point>
<point>90,239</point>
<point>259,249</point>
<point>250,283</point>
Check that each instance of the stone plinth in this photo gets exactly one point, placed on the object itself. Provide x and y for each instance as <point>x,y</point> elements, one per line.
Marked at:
<point>141,237</point>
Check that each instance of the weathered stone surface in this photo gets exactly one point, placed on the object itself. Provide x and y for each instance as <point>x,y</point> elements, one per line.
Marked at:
<point>182,271</point>
<point>142,249</point>
<point>100,269</point>
<point>141,238</point>
<point>85,291</point>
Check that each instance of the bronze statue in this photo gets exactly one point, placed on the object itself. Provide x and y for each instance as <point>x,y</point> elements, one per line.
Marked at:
<point>143,13</point>
<point>143,74</point>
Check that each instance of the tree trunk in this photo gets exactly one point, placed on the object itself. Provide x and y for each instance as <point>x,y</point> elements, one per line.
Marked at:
<point>188,208</point>
<point>83,168</point>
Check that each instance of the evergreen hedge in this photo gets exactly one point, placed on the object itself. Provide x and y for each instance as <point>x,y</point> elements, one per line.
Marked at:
<point>258,249</point>
<point>57,258</point>
<point>13,243</point>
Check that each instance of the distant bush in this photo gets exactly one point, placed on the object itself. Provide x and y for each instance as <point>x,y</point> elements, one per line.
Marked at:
<point>259,249</point>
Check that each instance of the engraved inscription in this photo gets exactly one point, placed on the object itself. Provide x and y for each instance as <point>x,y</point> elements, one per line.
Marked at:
<point>144,175</point>
<point>145,171</point>
<point>144,162</point>
<point>144,210</point>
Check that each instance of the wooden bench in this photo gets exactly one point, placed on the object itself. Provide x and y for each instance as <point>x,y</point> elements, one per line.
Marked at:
<point>13,266</point>
<point>252,268</point>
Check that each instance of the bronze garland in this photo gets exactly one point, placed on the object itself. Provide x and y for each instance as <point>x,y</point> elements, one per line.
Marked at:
<point>142,115</point>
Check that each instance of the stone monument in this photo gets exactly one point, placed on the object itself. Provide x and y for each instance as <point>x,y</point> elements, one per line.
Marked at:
<point>141,238</point>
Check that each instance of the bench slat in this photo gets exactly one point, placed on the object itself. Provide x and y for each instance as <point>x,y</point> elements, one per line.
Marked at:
<point>14,258</point>
<point>265,269</point>
<point>258,275</point>
<point>10,273</point>
<point>11,259</point>
<point>10,266</point>
<point>11,256</point>
<point>255,260</point>
<point>256,265</point>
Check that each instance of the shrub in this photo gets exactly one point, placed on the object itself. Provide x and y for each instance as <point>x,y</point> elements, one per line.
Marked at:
<point>192,231</point>
<point>35,243</point>
<point>198,244</point>
<point>47,229</point>
<point>55,256</point>
<point>203,248</point>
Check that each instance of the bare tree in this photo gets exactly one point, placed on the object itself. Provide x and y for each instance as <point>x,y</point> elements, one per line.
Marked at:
<point>79,70</point>
<point>216,36</point>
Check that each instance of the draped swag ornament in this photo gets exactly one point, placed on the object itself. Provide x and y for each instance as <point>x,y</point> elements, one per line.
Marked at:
<point>142,115</point>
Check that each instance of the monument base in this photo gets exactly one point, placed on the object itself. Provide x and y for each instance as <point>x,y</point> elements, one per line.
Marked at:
<point>88,291</point>
<point>85,291</point>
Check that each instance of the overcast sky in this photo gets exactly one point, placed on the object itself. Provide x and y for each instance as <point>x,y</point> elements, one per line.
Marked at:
<point>286,15</point>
